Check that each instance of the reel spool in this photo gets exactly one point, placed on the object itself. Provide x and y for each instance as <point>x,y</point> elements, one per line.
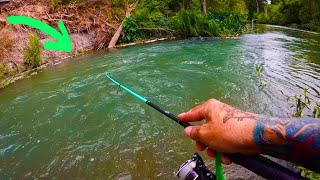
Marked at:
<point>195,169</point>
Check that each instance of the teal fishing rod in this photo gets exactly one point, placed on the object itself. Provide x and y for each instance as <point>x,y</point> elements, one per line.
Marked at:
<point>154,106</point>
<point>256,163</point>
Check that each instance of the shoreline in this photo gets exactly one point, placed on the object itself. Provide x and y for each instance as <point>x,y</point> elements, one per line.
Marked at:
<point>31,72</point>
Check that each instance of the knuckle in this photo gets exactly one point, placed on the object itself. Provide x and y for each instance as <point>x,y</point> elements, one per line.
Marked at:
<point>202,132</point>
<point>196,133</point>
<point>211,102</point>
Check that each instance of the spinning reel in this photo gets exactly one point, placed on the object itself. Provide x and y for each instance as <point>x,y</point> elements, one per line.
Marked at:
<point>195,169</point>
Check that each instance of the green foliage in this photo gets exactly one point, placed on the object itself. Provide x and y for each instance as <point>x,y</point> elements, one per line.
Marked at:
<point>277,16</point>
<point>259,69</point>
<point>148,14</point>
<point>194,23</point>
<point>304,13</point>
<point>4,83</point>
<point>3,70</point>
<point>31,52</point>
<point>131,32</point>
<point>154,18</point>
<point>146,21</point>
<point>309,174</point>
<point>263,18</point>
<point>55,3</point>
<point>221,6</point>
<point>316,111</point>
<point>230,22</point>
<point>302,102</point>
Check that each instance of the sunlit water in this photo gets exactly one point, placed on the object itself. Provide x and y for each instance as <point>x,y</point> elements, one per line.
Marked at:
<point>70,122</point>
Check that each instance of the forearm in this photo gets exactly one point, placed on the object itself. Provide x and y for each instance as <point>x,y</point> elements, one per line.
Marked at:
<point>231,130</point>
<point>296,140</point>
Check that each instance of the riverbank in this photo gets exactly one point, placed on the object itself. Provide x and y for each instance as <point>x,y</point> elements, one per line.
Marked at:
<point>30,72</point>
<point>112,22</point>
<point>88,31</point>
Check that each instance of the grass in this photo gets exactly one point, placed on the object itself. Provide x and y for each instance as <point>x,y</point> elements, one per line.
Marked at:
<point>32,53</point>
<point>193,24</point>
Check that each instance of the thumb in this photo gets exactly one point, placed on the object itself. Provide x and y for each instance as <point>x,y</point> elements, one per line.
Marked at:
<point>193,132</point>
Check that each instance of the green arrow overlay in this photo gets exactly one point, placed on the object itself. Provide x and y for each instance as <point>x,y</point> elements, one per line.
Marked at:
<point>62,43</point>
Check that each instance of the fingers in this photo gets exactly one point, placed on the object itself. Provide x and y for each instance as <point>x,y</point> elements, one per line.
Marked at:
<point>196,114</point>
<point>200,146</point>
<point>224,159</point>
<point>211,153</point>
<point>193,132</point>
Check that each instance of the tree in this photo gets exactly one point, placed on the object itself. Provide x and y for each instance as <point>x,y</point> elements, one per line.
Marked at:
<point>204,7</point>
<point>258,6</point>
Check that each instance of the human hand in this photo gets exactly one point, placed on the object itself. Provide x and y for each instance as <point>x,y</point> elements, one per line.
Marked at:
<point>227,129</point>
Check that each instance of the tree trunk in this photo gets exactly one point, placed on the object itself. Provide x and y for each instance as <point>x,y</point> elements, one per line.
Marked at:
<point>116,35</point>
<point>204,7</point>
<point>186,4</point>
<point>266,4</point>
<point>258,6</point>
<point>266,9</point>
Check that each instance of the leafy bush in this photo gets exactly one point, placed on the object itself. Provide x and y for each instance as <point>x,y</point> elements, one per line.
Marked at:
<point>130,31</point>
<point>263,18</point>
<point>31,52</point>
<point>148,13</point>
<point>277,17</point>
<point>230,22</point>
<point>313,24</point>
<point>305,13</point>
<point>194,23</point>
<point>3,70</point>
<point>146,21</point>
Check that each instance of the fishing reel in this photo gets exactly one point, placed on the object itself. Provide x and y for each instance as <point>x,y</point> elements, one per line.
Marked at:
<point>195,169</point>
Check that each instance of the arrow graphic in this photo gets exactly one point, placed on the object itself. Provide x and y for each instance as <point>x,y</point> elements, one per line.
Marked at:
<point>62,43</point>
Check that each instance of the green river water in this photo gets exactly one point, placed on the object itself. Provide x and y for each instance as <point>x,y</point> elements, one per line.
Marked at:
<point>69,122</point>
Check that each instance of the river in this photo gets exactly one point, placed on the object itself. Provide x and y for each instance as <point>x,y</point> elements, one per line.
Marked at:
<point>69,121</point>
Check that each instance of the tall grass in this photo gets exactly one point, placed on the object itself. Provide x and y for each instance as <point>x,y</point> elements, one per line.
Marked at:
<point>4,70</point>
<point>32,53</point>
<point>230,22</point>
<point>194,23</point>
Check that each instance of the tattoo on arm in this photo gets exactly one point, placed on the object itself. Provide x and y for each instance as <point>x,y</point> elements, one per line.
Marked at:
<point>297,140</point>
<point>233,113</point>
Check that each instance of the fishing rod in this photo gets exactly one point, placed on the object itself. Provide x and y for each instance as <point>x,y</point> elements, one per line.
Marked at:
<point>255,163</point>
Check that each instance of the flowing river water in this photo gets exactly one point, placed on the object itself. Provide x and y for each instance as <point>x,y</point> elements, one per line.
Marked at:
<point>70,122</point>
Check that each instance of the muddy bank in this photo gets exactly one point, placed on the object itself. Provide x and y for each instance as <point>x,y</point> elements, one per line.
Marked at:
<point>90,25</point>
<point>54,60</point>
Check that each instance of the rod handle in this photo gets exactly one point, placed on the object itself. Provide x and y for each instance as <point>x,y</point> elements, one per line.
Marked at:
<point>264,167</point>
<point>168,114</point>
<point>257,163</point>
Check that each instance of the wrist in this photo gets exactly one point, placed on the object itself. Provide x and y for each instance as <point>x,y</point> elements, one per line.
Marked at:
<point>247,129</point>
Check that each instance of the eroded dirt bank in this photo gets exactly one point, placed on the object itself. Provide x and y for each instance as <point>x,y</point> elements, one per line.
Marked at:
<point>90,25</point>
